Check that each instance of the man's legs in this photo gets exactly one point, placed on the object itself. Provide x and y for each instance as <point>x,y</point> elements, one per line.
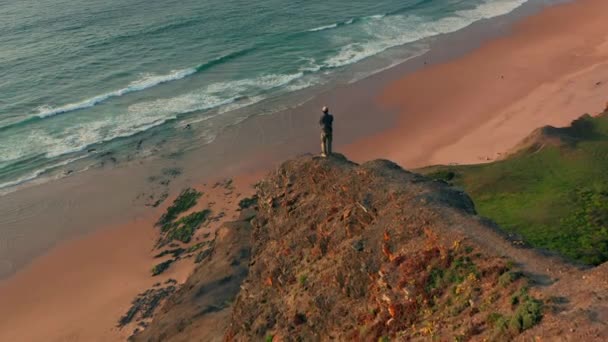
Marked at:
<point>323,144</point>
<point>329,141</point>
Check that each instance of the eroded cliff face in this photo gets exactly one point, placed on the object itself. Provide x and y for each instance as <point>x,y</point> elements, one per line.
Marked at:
<point>338,251</point>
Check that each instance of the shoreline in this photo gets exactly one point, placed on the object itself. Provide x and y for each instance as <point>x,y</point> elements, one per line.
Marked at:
<point>371,72</point>
<point>392,137</point>
<point>551,77</point>
<point>156,130</point>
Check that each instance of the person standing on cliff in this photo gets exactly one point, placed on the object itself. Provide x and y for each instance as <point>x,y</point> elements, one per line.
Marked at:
<point>326,123</point>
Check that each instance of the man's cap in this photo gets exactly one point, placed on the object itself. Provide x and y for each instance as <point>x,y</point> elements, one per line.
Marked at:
<point>325,109</point>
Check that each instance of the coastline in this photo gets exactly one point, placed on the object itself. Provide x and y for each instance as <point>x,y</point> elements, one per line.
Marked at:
<point>475,109</point>
<point>413,129</point>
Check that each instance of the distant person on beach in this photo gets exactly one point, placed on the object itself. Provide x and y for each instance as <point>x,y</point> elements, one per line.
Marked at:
<point>326,123</point>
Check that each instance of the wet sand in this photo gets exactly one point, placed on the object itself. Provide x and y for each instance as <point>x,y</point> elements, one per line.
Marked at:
<point>79,290</point>
<point>465,110</point>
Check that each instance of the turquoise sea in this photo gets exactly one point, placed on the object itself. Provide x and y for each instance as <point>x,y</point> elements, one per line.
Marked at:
<point>80,79</point>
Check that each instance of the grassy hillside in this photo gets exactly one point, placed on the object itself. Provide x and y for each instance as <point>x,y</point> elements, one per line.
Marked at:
<point>553,192</point>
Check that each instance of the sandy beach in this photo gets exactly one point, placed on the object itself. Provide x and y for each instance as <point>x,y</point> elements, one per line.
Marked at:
<point>79,290</point>
<point>550,69</point>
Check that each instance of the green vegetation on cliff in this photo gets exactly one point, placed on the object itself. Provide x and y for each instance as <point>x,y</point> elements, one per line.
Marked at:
<point>553,192</point>
<point>186,200</point>
<point>176,228</point>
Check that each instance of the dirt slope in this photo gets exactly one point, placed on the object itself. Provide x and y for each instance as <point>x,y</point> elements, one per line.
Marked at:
<point>339,251</point>
<point>200,309</point>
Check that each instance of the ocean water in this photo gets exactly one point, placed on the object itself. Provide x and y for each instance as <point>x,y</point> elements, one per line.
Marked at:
<point>81,79</point>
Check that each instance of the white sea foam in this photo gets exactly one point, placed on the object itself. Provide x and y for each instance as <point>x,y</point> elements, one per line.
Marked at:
<point>394,30</point>
<point>363,75</point>
<point>215,95</point>
<point>377,16</point>
<point>183,104</point>
<point>241,104</point>
<point>138,117</point>
<point>261,83</point>
<point>323,28</point>
<point>76,138</point>
<point>303,83</point>
<point>491,9</point>
<point>310,65</point>
<point>147,81</point>
<point>35,174</point>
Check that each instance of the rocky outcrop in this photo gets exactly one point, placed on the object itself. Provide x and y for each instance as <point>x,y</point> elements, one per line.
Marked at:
<point>333,250</point>
<point>348,252</point>
<point>580,129</point>
<point>200,309</point>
